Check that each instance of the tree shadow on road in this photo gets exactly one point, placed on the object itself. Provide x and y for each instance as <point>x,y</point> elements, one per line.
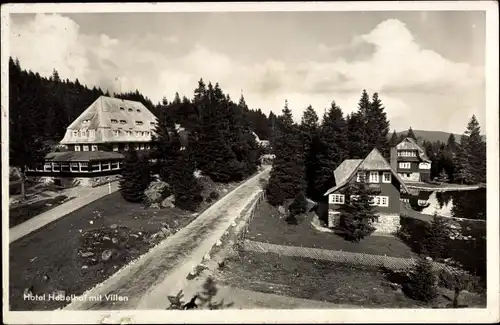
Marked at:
<point>205,298</point>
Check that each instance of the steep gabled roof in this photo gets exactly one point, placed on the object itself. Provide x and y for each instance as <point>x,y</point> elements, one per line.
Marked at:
<point>108,114</point>
<point>349,167</point>
<point>410,144</point>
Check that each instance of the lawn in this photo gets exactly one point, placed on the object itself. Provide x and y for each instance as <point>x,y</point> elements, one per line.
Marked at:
<point>22,212</point>
<point>86,247</point>
<point>322,280</point>
<point>267,226</point>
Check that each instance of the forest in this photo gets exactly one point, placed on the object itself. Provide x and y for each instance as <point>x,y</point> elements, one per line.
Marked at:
<point>41,108</point>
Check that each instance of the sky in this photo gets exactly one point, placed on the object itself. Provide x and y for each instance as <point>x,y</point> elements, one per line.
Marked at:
<point>427,67</point>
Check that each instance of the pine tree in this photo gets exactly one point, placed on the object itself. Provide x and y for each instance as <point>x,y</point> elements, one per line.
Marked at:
<point>470,159</point>
<point>437,234</point>
<point>422,284</point>
<point>411,134</point>
<point>185,187</point>
<point>377,127</point>
<point>331,149</point>
<point>310,134</point>
<point>287,177</point>
<point>394,139</point>
<point>135,177</point>
<point>26,141</point>
<point>357,215</point>
<point>452,143</point>
<point>167,147</point>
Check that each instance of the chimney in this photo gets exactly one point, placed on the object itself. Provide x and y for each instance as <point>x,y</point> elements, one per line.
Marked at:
<point>394,158</point>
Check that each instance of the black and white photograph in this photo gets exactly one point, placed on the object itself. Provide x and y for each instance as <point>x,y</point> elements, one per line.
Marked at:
<point>250,162</point>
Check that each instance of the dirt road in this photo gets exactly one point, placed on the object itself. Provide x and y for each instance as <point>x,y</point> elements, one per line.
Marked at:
<point>146,283</point>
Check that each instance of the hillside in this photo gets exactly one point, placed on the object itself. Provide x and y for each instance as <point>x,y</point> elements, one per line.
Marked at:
<point>431,135</point>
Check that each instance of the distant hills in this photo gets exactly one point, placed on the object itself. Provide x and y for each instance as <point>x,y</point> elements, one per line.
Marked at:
<point>432,136</point>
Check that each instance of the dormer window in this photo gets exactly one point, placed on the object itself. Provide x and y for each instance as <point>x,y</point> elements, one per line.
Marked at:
<point>122,108</point>
<point>116,133</point>
<point>129,133</point>
<point>152,123</point>
<point>75,133</point>
<point>113,121</point>
<point>138,110</point>
<point>92,133</point>
<point>123,122</point>
<point>130,110</point>
<point>86,121</point>
<point>138,122</point>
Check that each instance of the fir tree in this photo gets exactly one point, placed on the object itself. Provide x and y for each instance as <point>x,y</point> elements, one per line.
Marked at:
<point>287,177</point>
<point>437,234</point>
<point>357,215</point>
<point>167,147</point>
<point>310,134</point>
<point>377,127</point>
<point>26,141</point>
<point>470,159</point>
<point>443,176</point>
<point>452,143</point>
<point>355,132</point>
<point>330,149</point>
<point>394,139</point>
<point>422,284</point>
<point>411,134</point>
<point>185,187</point>
<point>135,177</point>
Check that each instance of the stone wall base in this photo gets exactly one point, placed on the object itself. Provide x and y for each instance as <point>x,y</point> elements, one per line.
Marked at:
<point>387,224</point>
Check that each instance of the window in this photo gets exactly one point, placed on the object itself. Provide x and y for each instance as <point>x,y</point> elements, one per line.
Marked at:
<point>115,147</point>
<point>136,147</point>
<point>142,146</point>
<point>138,122</point>
<point>65,167</point>
<point>336,199</point>
<point>92,133</point>
<point>75,133</point>
<point>86,121</point>
<point>74,167</point>
<point>138,133</point>
<point>386,177</point>
<point>404,165</point>
<point>361,177</point>
<point>116,133</point>
<point>354,197</point>
<point>152,123</point>
<point>84,166</point>
<point>96,166</point>
<point>374,177</point>
<point>106,166</point>
<point>126,147</point>
<point>83,133</point>
<point>148,146</point>
<point>56,166</point>
<point>94,147</point>
<point>422,202</point>
<point>77,148</point>
<point>405,200</point>
<point>122,108</point>
<point>138,110</point>
<point>47,167</point>
<point>85,148</point>
<point>130,110</point>
<point>146,133</point>
<point>115,165</point>
<point>113,121</point>
<point>424,166</point>
<point>123,122</point>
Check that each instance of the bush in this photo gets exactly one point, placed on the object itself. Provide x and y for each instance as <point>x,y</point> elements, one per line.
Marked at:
<point>156,192</point>
<point>422,284</point>
<point>298,206</point>
<point>214,195</point>
<point>207,186</point>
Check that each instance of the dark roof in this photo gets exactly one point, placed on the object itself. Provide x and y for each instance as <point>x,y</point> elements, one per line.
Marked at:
<point>348,168</point>
<point>83,155</point>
